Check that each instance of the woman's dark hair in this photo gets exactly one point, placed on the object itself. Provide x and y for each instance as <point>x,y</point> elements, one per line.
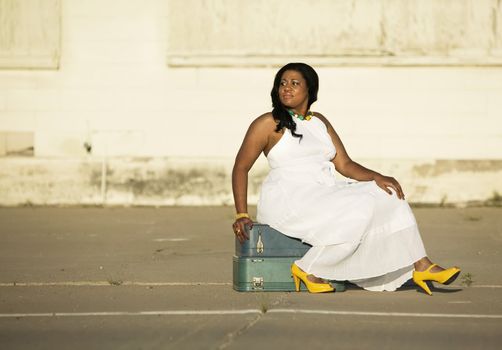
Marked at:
<point>280,112</point>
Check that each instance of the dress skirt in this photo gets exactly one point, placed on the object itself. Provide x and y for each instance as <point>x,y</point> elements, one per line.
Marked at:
<point>358,232</point>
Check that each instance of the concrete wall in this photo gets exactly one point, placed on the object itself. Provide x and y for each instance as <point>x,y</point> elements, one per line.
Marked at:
<point>341,32</point>
<point>117,90</point>
<point>186,181</point>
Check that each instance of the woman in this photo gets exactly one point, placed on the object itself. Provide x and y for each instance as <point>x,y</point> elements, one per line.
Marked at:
<point>362,232</point>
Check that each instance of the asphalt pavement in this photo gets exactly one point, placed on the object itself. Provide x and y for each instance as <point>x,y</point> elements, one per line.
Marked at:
<point>161,278</point>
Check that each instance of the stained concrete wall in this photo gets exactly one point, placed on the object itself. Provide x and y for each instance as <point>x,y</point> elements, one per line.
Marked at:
<point>117,91</point>
<point>161,181</point>
<point>327,32</point>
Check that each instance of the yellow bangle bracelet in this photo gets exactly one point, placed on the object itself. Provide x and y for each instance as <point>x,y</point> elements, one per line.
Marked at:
<point>241,215</point>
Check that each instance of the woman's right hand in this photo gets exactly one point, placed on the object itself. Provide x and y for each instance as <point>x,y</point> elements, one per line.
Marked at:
<point>239,227</point>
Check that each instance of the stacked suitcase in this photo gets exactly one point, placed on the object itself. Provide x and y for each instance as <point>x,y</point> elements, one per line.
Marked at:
<point>263,263</point>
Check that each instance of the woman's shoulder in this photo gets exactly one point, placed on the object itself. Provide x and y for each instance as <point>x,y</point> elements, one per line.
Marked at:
<point>323,119</point>
<point>265,120</point>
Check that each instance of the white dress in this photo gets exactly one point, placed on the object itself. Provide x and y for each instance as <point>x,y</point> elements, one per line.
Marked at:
<point>358,232</point>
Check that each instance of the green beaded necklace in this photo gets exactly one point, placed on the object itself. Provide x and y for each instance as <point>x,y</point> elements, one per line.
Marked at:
<point>307,116</point>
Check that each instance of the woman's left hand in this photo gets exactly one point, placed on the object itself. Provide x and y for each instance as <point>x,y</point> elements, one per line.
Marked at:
<point>387,182</point>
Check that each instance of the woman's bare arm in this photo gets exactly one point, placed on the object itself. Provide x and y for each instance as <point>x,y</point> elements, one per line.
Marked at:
<point>348,168</point>
<point>255,141</point>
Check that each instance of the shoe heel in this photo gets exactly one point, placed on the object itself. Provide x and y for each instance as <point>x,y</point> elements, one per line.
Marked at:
<point>424,286</point>
<point>297,283</point>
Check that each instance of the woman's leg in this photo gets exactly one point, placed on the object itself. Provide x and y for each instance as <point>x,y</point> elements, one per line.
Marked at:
<point>424,263</point>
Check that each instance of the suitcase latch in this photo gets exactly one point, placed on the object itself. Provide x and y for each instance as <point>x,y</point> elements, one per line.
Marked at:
<point>258,282</point>
<point>259,245</point>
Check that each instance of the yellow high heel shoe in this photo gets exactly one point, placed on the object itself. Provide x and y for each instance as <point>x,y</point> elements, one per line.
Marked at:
<point>444,277</point>
<point>313,287</point>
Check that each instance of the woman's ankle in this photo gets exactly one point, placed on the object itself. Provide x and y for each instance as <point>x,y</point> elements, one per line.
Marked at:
<point>422,264</point>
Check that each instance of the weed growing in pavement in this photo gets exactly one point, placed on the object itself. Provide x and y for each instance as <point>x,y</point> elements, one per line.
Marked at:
<point>115,282</point>
<point>264,303</point>
<point>466,279</point>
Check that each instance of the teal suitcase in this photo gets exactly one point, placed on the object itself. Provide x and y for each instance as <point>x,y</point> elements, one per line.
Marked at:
<point>263,263</point>
<point>266,241</point>
<point>268,274</point>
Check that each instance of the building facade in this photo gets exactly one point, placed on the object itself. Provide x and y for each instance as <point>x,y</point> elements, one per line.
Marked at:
<point>146,102</point>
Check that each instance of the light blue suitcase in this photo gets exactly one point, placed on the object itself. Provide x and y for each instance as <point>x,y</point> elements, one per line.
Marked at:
<point>265,241</point>
<point>263,263</point>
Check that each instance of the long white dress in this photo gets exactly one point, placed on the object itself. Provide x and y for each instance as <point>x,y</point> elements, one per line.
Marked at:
<point>358,232</point>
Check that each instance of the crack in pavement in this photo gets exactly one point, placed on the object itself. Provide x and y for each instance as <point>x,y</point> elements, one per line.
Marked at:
<point>231,337</point>
<point>264,307</point>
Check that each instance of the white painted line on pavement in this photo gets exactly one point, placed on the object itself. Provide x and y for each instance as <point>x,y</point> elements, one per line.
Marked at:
<point>177,283</point>
<point>158,284</point>
<point>170,239</point>
<point>109,283</point>
<point>137,313</point>
<point>244,312</point>
<point>460,302</point>
<point>456,286</point>
<point>391,314</point>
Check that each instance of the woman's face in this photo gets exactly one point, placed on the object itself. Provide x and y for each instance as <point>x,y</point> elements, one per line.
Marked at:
<point>293,91</point>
